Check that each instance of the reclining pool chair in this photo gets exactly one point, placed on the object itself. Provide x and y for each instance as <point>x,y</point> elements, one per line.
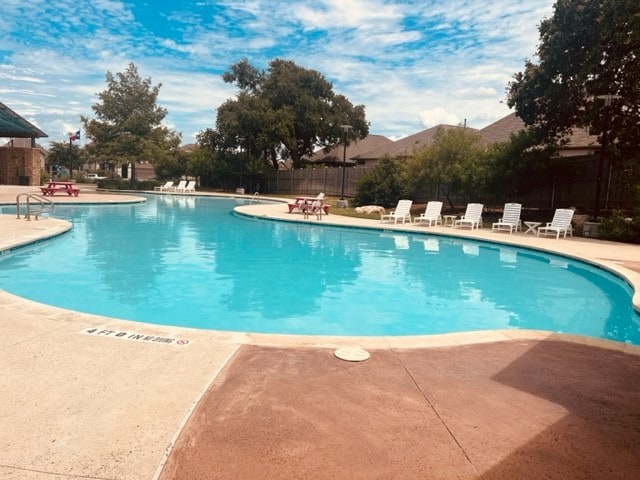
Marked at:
<point>472,216</point>
<point>559,224</point>
<point>510,218</point>
<point>431,214</point>
<point>401,212</point>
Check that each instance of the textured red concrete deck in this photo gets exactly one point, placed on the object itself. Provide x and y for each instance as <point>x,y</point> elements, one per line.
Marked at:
<point>508,410</point>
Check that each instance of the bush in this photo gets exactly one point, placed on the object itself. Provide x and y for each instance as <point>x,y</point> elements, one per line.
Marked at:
<point>619,228</point>
<point>382,186</point>
<point>110,184</point>
<point>623,228</point>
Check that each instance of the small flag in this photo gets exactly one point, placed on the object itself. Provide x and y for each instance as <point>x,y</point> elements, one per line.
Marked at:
<point>75,136</point>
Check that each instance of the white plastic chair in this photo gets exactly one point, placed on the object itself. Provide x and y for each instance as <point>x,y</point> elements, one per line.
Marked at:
<point>559,224</point>
<point>180,187</point>
<point>510,218</point>
<point>164,188</point>
<point>431,214</point>
<point>472,216</point>
<point>401,212</point>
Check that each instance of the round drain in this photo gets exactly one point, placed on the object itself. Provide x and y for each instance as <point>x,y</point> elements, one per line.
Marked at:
<point>352,354</point>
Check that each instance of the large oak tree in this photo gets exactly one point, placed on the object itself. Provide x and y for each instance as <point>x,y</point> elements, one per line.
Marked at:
<point>286,111</point>
<point>587,49</point>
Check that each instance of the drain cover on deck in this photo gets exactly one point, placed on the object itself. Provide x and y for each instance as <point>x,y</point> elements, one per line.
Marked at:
<point>352,354</point>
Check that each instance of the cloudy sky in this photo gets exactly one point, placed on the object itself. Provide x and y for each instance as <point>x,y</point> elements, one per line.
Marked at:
<point>413,64</point>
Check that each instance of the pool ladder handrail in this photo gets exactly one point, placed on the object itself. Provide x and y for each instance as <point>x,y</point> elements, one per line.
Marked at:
<point>44,202</point>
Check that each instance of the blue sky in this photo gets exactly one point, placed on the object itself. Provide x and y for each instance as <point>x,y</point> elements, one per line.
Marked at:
<point>413,64</point>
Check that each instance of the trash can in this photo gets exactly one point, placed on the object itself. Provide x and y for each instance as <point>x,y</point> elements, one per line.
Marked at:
<point>23,180</point>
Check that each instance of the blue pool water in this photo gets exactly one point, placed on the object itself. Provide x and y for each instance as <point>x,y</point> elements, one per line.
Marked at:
<point>189,261</point>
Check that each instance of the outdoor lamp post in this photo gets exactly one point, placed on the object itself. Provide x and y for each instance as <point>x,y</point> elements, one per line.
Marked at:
<point>608,99</point>
<point>342,203</point>
<point>240,140</point>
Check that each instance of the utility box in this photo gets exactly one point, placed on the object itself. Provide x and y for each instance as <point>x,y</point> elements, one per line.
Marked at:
<point>590,229</point>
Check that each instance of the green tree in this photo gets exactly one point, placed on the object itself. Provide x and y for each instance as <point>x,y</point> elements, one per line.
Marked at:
<point>454,161</point>
<point>285,112</point>
<point>588,48</point>
<point>128,124</point>
<point>66,154</point>
<point>217,163</point>
<point>382,186</point>
<point>522,165</point>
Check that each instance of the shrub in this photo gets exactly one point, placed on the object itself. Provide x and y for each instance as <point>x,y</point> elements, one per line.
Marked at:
<point>382,186</point>
<point>622,228</point>
<point>619,228</point>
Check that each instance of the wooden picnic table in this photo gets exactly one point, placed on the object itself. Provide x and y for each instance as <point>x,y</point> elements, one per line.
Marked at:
<point>54,187</point>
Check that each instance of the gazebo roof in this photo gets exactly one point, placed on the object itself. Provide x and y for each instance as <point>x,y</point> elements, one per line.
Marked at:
<point>13,125</point>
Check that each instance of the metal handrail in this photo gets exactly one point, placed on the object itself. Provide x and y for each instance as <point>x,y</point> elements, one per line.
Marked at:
<point>43,203</point>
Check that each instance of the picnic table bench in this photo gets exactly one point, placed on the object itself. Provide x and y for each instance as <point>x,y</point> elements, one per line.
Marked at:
<point>54,187</point>
<point>304,204</point>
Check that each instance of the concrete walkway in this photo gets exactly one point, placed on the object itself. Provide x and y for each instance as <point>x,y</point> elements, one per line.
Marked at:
<point>85,396</point>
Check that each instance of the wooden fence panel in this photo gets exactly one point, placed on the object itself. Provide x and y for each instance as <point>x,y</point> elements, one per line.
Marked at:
<point>579,193</point>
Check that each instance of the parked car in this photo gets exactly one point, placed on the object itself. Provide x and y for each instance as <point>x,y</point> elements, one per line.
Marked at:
<point>93,176</point>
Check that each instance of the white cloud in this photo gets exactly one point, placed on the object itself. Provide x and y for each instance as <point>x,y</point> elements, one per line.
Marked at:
<point>412,64</point>
<point>478,93</point>
<point>332,14</point>
<point>436,116</point>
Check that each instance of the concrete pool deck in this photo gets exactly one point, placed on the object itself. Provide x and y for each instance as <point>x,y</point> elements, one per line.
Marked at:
<point>85,396</point>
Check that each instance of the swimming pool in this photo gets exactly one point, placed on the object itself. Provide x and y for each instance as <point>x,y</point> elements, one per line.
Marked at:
<point>189,261</point>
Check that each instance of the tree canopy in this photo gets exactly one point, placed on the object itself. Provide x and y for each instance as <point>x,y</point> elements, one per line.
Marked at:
<point>454,160</point>
<point>128,125</point>
<point>587,49</point>
<point>64,153</point>
<point>285,111</point>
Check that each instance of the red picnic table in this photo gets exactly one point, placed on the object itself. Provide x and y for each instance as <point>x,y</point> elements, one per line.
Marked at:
<point>66,187</point>
<point>303,204</point>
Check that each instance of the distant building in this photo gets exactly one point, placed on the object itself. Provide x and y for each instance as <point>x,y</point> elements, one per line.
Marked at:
<point>579,142</point>
<point>20,159</point>
<point>405,147</point>
<point>355,149</point>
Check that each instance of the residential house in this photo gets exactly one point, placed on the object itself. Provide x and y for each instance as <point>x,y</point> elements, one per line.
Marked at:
<point>336,155</point>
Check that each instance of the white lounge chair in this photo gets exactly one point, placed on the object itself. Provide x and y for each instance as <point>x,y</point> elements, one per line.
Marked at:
<point>510,218</point>
<point>401,212</point>
<point>180,187</point>
<point>559,224</point>
<point>431,214</point>
<point>164,188</point>
<point>472,216</point>
<point>191,187</point>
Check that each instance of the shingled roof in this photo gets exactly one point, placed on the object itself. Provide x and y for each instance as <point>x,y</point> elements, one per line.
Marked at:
<point>501,130</point>
<point>13,125</point>
<point>405,147</point>
<point>354,149</point>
